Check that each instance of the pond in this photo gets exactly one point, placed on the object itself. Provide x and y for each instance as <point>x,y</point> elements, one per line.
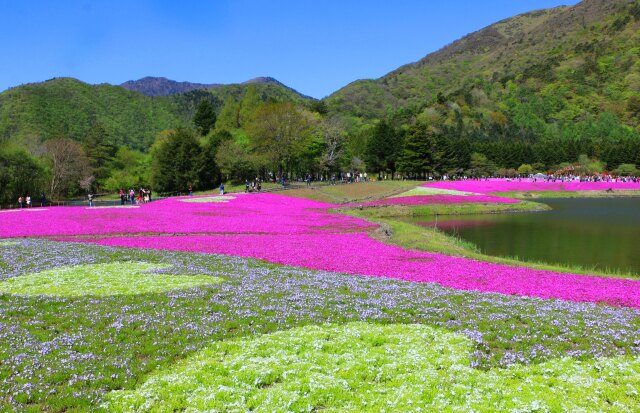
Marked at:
<point>602,233</point>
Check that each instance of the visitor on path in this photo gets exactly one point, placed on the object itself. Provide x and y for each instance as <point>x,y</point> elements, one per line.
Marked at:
<point>43,200</point>
<point>20,202</point>
<point>282,179</point>
<point>190,190</point>
<point>246,186</point>
<point>122,197</point>
<point>90,197</point>
<point>221,189</point>
<point>28,201</point>
<point>132,196</point>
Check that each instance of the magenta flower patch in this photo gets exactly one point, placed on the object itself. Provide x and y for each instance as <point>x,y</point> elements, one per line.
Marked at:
<point>303,233</point>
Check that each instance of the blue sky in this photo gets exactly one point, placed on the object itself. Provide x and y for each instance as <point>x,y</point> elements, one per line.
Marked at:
<point>315,47</point>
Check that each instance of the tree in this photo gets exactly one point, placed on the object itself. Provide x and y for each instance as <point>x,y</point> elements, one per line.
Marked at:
<point>249,105</point>
<point>229,115</point>
<point>69,165</point>
<point>205,117</point>
<point>417,156</point>
<point>525,169</point>
<point>175,162</point>
<point>100,152</point>
<point>626,169</point>
<point>234,162</point>
<point>20,174</point>
<point>333,142</point>
<point>480,165</point>
<point>382,148</point>
<point>279,131</point>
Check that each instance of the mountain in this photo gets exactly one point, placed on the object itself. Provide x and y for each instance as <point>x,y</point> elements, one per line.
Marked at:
<point>552,67</point>
<point>161,86</point>
<point>66,107</point>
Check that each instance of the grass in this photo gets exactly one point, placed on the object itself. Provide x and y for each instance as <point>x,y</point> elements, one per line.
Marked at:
<point>364,367</point>
<point>355,192</point>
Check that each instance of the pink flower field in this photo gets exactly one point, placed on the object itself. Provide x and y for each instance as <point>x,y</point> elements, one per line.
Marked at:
<point>505,185</point>
<point>303,233</point>
<point>442,199</point>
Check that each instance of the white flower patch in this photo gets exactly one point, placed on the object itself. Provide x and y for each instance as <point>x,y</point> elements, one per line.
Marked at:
<point>426,191</point>
<point>218,198</point>
<point>24,210</point>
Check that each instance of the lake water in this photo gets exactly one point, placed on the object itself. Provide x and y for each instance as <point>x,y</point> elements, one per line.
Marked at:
<point>591,232</point>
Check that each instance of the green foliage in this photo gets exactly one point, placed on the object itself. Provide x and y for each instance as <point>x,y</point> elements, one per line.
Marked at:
<point>177,162</point>
<point>115,278</point>
<point>417,156</point>
<point>20,174</point>
<point>205,117</point>
<point>383,148</point>
<point>69,108</point>
<point>364,367</point>
<point>626,169</point>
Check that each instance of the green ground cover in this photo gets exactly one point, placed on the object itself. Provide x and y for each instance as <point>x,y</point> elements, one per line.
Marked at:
<point>114,278</point>
<point>364,367</point>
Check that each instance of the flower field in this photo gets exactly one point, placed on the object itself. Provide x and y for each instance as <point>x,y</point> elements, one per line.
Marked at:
<point>164,308</point>
<point>506,185</point>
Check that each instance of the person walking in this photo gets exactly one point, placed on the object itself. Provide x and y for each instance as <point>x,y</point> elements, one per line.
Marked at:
<point>190,190</point>
<point>43,200</point>
<point>90,197</point>
<point>246,186</point>
<point>122,196</point>
<point>20,202</point>
<point>221,189</point>
<point>28,201</point>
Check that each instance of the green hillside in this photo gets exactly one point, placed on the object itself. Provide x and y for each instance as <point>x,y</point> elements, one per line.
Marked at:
<point>69,108</point>
<point>533,74</point>
<point>65,107</point>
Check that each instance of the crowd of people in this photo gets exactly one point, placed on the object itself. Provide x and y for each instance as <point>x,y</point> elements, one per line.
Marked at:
<point>25,201</point>
<point>143,196</point>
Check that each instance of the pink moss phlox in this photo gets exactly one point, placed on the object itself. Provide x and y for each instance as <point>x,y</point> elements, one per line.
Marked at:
<point>298,232</point>
<point>509,185</point>
<point>441,199</point>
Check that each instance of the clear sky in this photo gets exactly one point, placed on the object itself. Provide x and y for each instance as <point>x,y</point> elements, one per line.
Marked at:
<point>315,47</point>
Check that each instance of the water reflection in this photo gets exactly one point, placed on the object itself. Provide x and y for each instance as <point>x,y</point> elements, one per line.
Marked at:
<point>590,232</point>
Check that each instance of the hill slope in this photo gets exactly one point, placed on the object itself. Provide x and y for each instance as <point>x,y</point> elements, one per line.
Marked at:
<point>161,86</point>
<point>65,107</point>
<point>574,62</point>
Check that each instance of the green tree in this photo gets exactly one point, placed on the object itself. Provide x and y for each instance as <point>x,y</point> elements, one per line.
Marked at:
<point>100,151</point>
<point>205,117</point>
<point>229,117</point>
<point>480,165</point>
<point>176,161</point>
<point>626,169</point>
<point>279,132</point>
<point>382,148</point>
<point>250,103</point>
<point>20,174</point>
<point>416,158</point>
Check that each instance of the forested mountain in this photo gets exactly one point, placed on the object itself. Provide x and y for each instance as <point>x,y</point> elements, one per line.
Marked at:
<point>161,86</point>
<point>66,107</point>
<point>547,73</point>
